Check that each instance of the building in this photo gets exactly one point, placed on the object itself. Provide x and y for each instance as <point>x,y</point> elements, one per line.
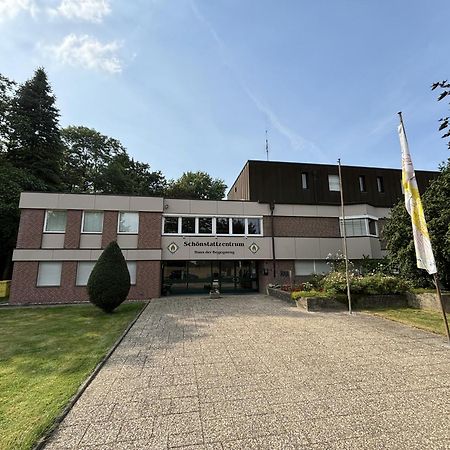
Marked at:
<point>281,222</point>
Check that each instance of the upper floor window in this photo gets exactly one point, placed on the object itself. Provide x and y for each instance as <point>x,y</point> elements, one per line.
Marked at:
<point>187,225</point>
<point>305,180</point>
<point>380,184</point>
<point>360,226</point>
<point>362,183</point>
<point>92,222</point>
<point>333,183</point>
<point>55,221</point>
<point>128,222</point>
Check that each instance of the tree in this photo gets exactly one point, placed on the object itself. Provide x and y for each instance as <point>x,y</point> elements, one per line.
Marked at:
<point>197,185</point>
<point>398,232</point>
<point>125,176</point>
<point>87,153</point>
<point>444,86</point>
<point>34,141</point>
<point>13,182</point>
<point>109,282</point>
<point>6,92</point>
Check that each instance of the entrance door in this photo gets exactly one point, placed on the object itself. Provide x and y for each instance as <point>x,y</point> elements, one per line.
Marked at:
<point>227,276</point>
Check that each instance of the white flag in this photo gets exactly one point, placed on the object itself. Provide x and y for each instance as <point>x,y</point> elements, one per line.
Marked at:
<point>422,244</point>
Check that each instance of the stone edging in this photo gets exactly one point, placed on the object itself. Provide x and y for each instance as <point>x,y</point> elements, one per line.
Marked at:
<point>47,436</point>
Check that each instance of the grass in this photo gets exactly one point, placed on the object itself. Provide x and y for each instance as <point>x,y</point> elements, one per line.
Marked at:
<point>424,319</point>
<point>45,355</point>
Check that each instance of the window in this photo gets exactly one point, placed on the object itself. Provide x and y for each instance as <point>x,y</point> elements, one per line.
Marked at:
<point>254,226</point>
<point>363,226</point>
<point>132,270</point>
<point>188,225</point>
<point>304,180</point>
<point>222,225</point>
<point>380,184</point>
<point>84,270</point>
<point>205,225</point>
<point>333,183</point>
<point>49,273</point>
<point>92,222</point>
<point>372,227</point>
<point>55,221</point>
<point>362,183</point>
<point>238,226</point>
<point>128,222</point>
<point>171,225</point>
<point>307,267</point>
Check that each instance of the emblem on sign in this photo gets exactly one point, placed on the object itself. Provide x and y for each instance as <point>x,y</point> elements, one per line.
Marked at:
<point>172,247</point>
<point>254,247</point>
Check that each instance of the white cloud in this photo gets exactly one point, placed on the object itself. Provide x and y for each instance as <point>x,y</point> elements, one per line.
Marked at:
<point>87,52</point>
<point>89,10</point>
<point>11,8</point>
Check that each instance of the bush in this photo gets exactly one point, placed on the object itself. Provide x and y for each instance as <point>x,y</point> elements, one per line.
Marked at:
<point>109,282</point>
<point>335,283</point>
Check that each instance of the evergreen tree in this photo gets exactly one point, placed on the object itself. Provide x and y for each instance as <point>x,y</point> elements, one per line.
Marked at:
<point>34,141</point>
<point>6,92</point>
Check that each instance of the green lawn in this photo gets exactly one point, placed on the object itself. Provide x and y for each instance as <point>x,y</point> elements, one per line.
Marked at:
<point>45,355</point>
<point>420,318</point>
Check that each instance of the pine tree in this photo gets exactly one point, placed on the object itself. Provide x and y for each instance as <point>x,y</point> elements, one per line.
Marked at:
<point>34,140</point>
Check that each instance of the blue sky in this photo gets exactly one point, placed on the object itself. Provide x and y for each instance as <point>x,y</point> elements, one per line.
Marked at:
<point>193,84</point>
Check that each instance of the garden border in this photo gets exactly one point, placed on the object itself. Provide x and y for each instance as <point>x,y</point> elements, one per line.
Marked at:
<point>43,441</point>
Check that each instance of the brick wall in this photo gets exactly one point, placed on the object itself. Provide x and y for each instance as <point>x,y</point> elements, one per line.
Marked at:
<point>302,226</point>
<point>73,229</point>
<point>109,227</point>
<point>281,273</point>
<point>150,225</point>
<point>30,228</point>
<point>25,291</point>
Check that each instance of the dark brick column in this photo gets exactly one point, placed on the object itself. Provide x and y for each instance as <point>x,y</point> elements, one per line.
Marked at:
<point>30,228</point>
<point>149,230</point>
<point>73,229</point>
<point>109,227</point>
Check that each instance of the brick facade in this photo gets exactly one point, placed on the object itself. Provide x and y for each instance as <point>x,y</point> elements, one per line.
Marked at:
<point>302,226</point>
<point>30,228</point>
<point>25,291</point>
<point>109,227</point>
<point>282,268</point>
<point>150,226</point>
<point>73,229</point>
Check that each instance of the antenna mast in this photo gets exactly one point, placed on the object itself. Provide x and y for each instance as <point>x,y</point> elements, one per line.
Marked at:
<point>267,147</point>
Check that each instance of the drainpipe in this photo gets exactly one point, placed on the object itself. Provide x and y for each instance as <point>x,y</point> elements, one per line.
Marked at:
<point>272,208</point>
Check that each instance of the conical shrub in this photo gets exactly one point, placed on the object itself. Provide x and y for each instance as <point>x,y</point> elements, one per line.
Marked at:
<point>109,282</point>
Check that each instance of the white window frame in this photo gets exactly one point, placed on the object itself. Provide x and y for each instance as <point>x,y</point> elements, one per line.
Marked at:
<point>135,273</point>
<point>304,181</point>
<point>92,232</point>
<point>338,185</point>
<point>118,222</point>
<point>366,222</point>
<point>380,185</point>
<point>214,218</point>
<point>39,268</point>
<point>45,221</point>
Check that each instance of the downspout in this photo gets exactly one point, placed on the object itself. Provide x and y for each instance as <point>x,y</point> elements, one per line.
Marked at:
<point>272,208</point>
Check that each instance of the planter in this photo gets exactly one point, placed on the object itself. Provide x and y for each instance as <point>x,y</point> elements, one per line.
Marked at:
<point>428,300</point>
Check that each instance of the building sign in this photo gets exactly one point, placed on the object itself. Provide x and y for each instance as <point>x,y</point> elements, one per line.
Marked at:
<point>215,248</point>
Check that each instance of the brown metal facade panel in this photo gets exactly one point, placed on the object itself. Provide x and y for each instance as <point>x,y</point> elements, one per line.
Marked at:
<point>31,227</point>
<point>73,229</point>
<point>282,183</point>
<point>24,289</point>
<point>285,226</point>
<point>240,188</point>
<point>109,227</point>
<point>150,227</point>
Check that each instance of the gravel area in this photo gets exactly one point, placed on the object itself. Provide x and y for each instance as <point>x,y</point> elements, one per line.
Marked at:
<point>252,372</point>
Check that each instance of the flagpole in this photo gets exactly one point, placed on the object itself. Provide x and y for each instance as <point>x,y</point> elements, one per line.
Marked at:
<point>438,291</point>
<point>435,275</point>
<point>344,238</point>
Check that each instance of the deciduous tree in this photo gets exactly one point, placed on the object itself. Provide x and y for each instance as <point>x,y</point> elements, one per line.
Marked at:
<point>197,185</point>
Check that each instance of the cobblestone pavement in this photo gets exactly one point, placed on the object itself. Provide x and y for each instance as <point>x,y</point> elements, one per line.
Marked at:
<point>252,372</point>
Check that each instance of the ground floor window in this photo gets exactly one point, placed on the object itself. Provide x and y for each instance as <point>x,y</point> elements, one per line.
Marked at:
<point>307,267</point>
<point>181,277</point>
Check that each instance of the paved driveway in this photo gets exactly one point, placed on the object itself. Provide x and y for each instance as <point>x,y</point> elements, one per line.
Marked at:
<point>251,372</point>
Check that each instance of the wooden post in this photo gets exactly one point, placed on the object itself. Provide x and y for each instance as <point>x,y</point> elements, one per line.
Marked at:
<point>438,291</point>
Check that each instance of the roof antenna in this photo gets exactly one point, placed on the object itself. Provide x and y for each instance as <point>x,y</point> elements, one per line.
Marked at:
<point>267,147</point>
